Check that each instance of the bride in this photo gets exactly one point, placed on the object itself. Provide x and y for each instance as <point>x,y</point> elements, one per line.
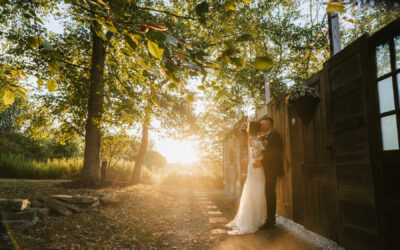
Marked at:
<point>252,211</point>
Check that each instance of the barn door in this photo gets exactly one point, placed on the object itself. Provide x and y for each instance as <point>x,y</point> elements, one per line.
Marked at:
<point>347,77</point>
<point>312,187</point>
<point>385,45</point>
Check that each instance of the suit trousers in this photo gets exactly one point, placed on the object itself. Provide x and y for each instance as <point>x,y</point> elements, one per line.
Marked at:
<point>270,194</point>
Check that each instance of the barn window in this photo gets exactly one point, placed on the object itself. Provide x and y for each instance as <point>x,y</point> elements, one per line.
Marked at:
<point>388,81</point>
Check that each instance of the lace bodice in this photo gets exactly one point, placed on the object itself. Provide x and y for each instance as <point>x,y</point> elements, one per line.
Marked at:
<point>256,149</point>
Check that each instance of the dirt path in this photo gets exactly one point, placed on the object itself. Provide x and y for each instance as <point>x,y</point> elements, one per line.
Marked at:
<point>149,217</point>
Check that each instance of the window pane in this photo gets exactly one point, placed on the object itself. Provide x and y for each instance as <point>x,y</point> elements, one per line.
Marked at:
<point>397,49</point>
<point>385,92</point>
<point>390,139</point>
<point>398,84</point>
<point>382,59</point>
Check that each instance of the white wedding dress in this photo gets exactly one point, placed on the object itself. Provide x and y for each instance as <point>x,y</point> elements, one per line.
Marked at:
<point>252,212</point>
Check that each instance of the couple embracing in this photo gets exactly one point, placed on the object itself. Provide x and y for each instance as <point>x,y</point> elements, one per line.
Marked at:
<point>258,201</point>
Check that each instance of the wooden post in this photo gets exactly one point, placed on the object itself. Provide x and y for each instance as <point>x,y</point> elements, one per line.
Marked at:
<point>334,33</point>
<point>103,171</point>
<point>267,90</point>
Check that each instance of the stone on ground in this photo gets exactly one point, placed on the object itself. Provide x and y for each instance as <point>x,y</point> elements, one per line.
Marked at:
<point>56,206</point>
<point>26,215</point>
<point>217,220</point>
<point>108,200</point>
<point>218,231</point>
<point>14,204</point>
<point>80,200</point>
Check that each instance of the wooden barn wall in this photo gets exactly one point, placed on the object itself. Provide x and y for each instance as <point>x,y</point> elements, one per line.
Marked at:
<point>235,159</point>
<point>346,81</point>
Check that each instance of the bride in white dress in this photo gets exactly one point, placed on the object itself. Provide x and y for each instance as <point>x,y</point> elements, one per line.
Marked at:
<point>252,212</point>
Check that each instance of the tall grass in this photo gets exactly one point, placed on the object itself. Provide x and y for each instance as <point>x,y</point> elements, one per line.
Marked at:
<point>192,176</point>
<point>17,166</point>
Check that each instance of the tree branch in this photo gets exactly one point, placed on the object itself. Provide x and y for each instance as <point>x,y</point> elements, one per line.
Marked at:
<point>167,12</point>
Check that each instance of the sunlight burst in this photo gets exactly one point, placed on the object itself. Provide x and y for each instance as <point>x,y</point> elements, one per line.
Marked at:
<point>182,151</point>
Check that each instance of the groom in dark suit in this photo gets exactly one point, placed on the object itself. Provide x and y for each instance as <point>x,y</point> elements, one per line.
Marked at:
<point>273,166</point>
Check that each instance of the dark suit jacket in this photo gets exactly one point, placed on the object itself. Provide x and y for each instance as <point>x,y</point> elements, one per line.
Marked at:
<point>272,161</point>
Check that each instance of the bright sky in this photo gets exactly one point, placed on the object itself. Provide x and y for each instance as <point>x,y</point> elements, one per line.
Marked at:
<point>182,151</point>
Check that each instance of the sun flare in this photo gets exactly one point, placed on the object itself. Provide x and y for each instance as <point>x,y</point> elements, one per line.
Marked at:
<point>182,151</point>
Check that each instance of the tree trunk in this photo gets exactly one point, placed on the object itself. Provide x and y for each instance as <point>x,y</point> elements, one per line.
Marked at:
<point>91,164</point>
<point>140,156</point>
<point>136,175</point>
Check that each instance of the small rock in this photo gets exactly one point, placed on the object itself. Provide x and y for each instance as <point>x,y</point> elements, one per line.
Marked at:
<point>26,215</point>
<point>108,200</point>
<point>43,212</point>
<point>72,207</point>
<point>22,223</point>
<point>218,231</point>
<point>56,206</point>
<point>81,200</point>
<point>95,204</point>
<point>214,213</point>
<point>217,220</point>
<point>14,204</point>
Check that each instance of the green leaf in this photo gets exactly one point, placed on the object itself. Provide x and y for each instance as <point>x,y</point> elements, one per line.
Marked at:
<point>335,9</point>
<point>171,86</point>
<point>202,8</point>
<point>14,73</point>
<point>237,61</point>
<point>51,85</point>
<point>21,92</point>
<point>131,41</point>
<point>141,62</point>
<point>40,82</point>
<point>145,96</point>
<point>109,25</point>
<point>190,98</point>
<point>201,87</point>
<point>8,97</point>
<point>2,2</point>
<point>230,6</point>
<point>220,94</point>
<point>154,102</point>
<point>33,42</point>
<point>244,38</point>
<point>248,1</point>
<point>47,45</point>
<point>54,66</point>
<point>263,62</point>
<point>154,49</point>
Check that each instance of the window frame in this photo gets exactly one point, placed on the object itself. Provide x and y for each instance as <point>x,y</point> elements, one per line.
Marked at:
<point>395,85</point>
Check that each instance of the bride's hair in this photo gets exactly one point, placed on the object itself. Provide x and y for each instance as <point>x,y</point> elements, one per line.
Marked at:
<point>254,127</point>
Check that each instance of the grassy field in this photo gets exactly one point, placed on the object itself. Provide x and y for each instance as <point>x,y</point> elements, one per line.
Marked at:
<point>18,167</point>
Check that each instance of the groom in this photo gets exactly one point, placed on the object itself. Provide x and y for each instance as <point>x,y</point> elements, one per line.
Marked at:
<point>273,166</point>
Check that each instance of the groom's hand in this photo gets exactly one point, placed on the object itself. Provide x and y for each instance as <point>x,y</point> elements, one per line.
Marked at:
<point>265,143</point>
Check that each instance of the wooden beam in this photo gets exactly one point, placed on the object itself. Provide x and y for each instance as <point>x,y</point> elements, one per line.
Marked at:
<point>334,33</point>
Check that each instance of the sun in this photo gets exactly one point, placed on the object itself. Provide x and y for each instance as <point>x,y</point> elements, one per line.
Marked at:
<point>182,151</point>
